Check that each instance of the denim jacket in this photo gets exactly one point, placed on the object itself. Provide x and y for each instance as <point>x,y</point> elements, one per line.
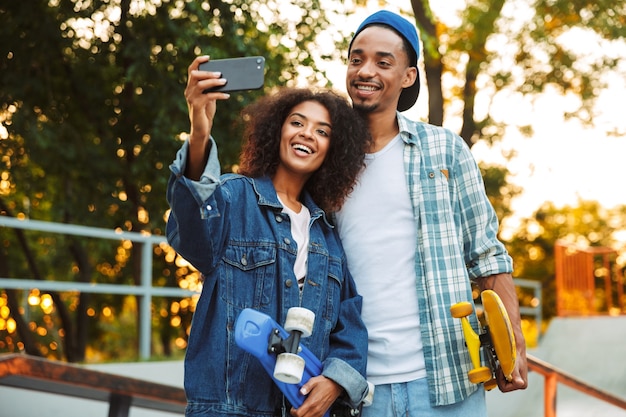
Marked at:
<point>232,230</point>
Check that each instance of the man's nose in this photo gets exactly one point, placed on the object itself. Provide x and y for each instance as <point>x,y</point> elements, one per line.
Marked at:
<point>366,70</point>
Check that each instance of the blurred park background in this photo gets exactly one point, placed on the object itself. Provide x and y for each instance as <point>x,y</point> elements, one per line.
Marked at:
<point>92,113</point>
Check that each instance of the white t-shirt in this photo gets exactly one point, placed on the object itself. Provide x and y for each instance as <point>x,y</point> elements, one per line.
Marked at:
<point>379,234</point>
<point>300,233</point>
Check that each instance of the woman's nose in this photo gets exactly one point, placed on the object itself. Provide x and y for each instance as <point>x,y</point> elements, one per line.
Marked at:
<point>307,131</point>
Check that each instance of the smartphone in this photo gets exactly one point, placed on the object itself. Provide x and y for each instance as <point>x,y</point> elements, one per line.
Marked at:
<point>247,73</point>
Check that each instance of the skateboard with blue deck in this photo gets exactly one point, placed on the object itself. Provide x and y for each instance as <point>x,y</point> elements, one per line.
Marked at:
<point>289,363</point>
<point>495,337</point>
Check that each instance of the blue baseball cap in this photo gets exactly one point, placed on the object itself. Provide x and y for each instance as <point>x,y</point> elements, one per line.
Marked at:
<point>406,30</point>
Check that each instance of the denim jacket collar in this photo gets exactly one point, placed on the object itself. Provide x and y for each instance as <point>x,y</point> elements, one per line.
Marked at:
<point>266,193</point>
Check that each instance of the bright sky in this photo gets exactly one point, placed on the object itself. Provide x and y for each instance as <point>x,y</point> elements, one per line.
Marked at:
<point>563,162</point>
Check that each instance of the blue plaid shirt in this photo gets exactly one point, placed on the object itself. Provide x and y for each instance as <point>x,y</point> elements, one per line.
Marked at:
<point>457,242</point>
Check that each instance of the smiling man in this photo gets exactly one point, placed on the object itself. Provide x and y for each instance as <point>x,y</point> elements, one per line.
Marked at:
<point>417,230</point>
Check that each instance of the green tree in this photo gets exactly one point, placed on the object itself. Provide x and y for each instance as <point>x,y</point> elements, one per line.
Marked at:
<point>92,103</point>
<point>521,47</point>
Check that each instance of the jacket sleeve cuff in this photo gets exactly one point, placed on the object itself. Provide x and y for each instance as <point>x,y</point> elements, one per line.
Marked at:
<point>353,383</point>
<point>210,177</point>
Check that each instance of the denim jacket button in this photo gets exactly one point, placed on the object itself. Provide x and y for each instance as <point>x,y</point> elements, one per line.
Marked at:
<point>288,283</point>
<point>287,241</point>
<point>208,207</point>
<point>244,261</point>
<point>279,218</point>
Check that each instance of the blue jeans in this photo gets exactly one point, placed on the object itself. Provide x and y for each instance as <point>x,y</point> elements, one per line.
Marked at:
<point>410,399</point>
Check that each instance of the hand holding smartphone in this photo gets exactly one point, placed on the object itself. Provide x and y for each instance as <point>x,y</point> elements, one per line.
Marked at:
<point>247,73</point>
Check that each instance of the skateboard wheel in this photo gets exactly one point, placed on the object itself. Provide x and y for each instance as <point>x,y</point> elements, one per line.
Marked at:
<point>491,384</point>
<point>289,368</point>
<point>462,309</point>
<point>369,398</point>
<point>301,320</point>
<point>478,375</point>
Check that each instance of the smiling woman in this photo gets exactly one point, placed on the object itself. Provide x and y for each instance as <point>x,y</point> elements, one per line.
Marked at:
<point>328,116</point>
<point>262,240</point>
<point>305,139</point>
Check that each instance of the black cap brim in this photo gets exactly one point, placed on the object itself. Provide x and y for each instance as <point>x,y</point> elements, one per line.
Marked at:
<point>408,97</point>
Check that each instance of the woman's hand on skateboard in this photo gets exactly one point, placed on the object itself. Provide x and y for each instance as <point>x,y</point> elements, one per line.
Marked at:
<point>321,393</point>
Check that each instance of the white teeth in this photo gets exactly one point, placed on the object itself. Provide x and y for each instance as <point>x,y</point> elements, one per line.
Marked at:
<point>366,88</point>
<point>302,148</point>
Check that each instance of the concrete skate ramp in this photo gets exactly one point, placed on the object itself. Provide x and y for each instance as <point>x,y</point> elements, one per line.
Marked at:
<point>592,349</point>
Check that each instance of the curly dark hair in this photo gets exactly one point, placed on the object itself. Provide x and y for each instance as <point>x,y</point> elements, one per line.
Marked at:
<point>335,179</point>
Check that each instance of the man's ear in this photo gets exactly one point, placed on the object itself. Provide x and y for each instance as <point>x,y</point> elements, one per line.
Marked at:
<point>410,75</point>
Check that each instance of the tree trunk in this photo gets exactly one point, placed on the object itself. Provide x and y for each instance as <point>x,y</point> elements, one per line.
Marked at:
<point>433,65</point>
<point>468,130</point>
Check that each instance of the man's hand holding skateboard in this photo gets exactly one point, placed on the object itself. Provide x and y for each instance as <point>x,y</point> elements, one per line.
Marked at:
<point>503,285</point>
<point>519,378</point>
<point>500,336</point>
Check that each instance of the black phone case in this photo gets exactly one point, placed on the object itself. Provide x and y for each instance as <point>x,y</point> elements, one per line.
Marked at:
<point>247,73</point>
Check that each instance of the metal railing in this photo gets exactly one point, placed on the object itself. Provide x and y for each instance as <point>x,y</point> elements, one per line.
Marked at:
<point>553,376</point>
<point>145,291</point>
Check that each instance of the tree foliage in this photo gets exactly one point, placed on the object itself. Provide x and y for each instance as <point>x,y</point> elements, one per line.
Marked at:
<point>525,47</point>
<point>92,105</point>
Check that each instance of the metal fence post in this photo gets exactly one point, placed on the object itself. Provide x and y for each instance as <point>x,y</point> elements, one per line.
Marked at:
<point>145,301</point>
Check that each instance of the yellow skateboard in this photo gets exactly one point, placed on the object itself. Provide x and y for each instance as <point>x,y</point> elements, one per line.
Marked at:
<point>496,337</point>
